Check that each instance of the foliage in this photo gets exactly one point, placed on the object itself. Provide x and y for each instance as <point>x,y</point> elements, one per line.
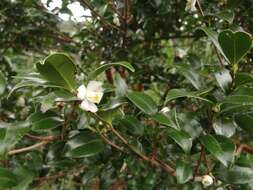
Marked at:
<point>177,95</point>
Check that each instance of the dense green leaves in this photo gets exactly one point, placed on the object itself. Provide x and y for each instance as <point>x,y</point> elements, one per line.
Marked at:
<point>107,66</point>
<point>234,45</point>
<point>59,69</point>
<point>143,101</point>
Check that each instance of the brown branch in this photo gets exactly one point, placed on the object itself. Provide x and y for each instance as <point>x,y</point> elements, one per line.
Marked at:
<point>108,141</point>
<point>43,138</point>
<point>101,18</point>
<point>152,161</point>
<point>29,148</point>
<point>202,152</point>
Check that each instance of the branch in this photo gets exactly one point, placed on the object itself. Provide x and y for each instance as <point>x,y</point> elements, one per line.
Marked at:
<point>101,18</point>
<point>152,161</point>
<point>43,138</point>
<point>29,148</point>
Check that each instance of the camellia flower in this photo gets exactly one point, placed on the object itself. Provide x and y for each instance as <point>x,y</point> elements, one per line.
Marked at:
<point>90,95</point>
<point>191,5</point>
<point>207,180</point>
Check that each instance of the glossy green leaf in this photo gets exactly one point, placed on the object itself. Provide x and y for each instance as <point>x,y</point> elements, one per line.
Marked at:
<point>144,102</point>
<point>107,66</point>
<point>44,121</point>
<point>2,83</point>
<point>220,147</point>
<point>191,75</point>
<point>132,124</point>
<point>184,172</point>
<point>234,45</point>
<point>121,86</point>
<point>245,122</point>
<point>84,144</point>
<point>181,138</point>
<point>179,93</point>
<point>164,120</point>
<point>224,127</point>
<point>7,178</point>
<point>59,69</point>
<point>236,175</point>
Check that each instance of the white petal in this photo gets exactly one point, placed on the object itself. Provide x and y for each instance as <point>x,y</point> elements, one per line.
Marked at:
<point>95,86</point>
<point>94,97</point>
<point>81,92</point>
<point>88,106</point>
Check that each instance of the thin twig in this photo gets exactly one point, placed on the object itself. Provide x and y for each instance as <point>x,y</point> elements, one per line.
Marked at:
<point>101,18</point>
<point>43,138</point>
<point>154,162</point>
<point>29,148</point>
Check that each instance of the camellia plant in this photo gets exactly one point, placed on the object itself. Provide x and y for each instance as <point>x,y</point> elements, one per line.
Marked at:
<point>119,104</point>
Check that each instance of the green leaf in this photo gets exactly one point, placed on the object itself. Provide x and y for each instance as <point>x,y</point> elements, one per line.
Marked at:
<point>84,144</point>
<point>243,78</point>
<point>234,45</point>
<point>44,121</point>
<point>226,15</point>
<point>245,160</point>
<point>24,177</point>
<point>144,102</point>
<point>14,133</point>
<point>245,122</point>
<point>224,127</point>
<point>236,175</point>
<point>164,120</point>
<point>107,66</point>
<point>181,138</point>
<point>59,69</point>
<point>191,75</point>
<point>121,86</point>
<point>7,178</point>
<point>242,100</point>
<point>132,124</point>
<point>2,83</point>
<point>179,93</point>
<point>213,36</point>
<point>224,79</point>
<point>220,147</point>
<point>183,172</point>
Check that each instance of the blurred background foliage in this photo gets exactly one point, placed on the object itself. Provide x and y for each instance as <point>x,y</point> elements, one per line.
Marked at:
<point>168,50</point>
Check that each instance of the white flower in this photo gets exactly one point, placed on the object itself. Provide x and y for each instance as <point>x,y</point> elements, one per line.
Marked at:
<point>90,95</point>
<point>207,180</point>
<point>191,5</point>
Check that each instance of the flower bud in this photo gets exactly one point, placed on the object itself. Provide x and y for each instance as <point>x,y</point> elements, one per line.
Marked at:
<point>207,180</point>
